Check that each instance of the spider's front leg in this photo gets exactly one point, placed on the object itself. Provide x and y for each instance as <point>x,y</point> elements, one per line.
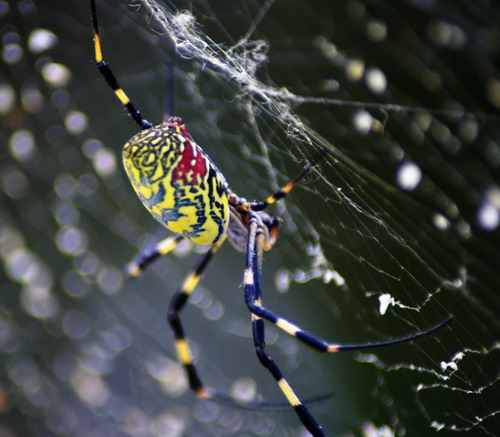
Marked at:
<point>253,299</point>
<point>177,303</point>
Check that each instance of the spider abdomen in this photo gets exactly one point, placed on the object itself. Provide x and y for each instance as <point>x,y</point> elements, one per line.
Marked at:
<point>177,182</point>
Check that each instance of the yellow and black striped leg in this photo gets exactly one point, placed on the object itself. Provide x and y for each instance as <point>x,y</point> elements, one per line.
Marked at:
<point>254,303</point>
<point>259,206</point>
<point>253,298</point>
<point>146,258</point>
<point>110,78</point>
<point>323,346</point>
<point>177,303</point>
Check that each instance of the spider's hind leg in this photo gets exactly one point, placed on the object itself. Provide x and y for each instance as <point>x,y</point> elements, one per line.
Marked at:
<point>259,206</point>
<point>110,78</point>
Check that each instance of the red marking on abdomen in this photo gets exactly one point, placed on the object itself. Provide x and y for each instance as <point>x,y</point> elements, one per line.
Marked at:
<point>190,166</point>
<point>184,131</point>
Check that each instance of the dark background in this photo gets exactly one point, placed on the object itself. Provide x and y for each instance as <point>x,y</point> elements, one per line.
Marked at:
<point>86,352</point>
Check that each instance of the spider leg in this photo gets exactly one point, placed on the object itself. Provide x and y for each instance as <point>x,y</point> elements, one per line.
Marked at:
<point>323,346</point>
<point>110,77</point>
<point>176,305</point>
<point>146,258</point>
<point>259,206</point>
<point>253,298</point>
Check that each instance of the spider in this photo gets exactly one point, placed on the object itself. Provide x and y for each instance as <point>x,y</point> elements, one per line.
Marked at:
<point>183,189</point>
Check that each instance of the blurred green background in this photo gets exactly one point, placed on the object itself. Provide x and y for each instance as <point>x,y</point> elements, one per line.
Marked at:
<point>83,351</point>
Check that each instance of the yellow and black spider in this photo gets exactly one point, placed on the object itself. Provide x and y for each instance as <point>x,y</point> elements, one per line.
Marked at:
<point>184,190</point>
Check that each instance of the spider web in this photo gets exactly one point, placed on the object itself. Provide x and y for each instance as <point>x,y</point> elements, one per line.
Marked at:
<point>395,230</point>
